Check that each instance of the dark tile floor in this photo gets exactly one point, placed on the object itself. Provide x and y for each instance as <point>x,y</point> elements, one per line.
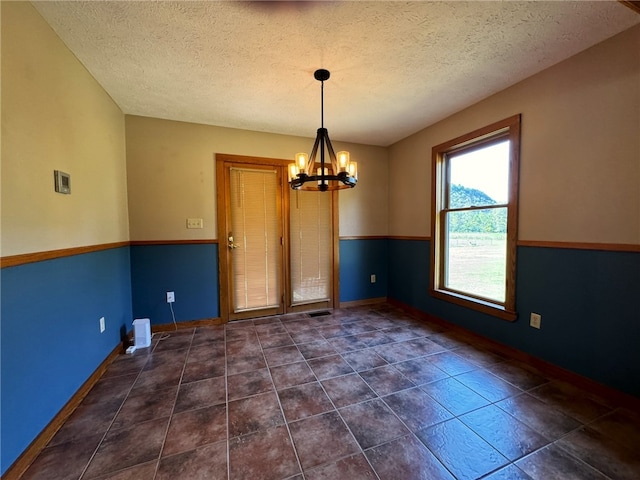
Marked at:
<point>363,393</point>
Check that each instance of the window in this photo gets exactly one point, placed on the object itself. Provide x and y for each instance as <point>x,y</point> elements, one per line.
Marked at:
<point>475,219</point>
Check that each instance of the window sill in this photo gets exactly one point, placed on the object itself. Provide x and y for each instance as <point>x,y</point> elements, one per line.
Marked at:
<point>493,309</point>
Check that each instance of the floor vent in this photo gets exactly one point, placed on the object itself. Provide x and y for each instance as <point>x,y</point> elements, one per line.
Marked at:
<point>319,314</point>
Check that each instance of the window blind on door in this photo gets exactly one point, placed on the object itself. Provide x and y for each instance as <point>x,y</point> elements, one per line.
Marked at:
<point>255,231</point>
<point>310,246</point>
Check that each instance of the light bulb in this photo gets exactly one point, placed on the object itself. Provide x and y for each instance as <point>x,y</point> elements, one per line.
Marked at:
<point>343,161</point>
<point>301,162</point>
<point>353,170</point>
<point>293,171</point>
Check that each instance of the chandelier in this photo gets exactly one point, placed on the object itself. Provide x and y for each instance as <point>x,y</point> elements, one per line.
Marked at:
<point>307,174</point>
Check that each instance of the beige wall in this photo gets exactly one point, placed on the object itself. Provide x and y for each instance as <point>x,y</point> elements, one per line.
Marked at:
<point>171,177</point>
<point>55,116</point>
<point>580,167</point>
<point>580,152</point>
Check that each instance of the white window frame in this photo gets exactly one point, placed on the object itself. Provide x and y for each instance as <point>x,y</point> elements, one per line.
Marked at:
<point>508,129</point>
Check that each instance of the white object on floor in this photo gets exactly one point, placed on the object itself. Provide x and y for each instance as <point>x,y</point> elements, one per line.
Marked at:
<point>142,332</point>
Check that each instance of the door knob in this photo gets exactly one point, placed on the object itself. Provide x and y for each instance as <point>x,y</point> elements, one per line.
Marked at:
<point>232,245</point>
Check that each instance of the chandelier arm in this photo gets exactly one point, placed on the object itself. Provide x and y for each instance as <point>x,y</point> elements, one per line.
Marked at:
<point>312,157</point>
<point>323,136</point>
<point>332,156</point>
<point>323,177</point>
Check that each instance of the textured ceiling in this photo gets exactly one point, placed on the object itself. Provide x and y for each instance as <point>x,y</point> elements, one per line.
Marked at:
<point>396,67</point>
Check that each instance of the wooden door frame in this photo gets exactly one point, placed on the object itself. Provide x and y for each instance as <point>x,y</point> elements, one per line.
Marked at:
<point>222,160</point>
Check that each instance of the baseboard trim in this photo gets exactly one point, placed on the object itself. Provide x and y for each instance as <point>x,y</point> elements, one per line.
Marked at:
<point>548,369</point>
<point>366,301</point>
<point>24,461</point>
<point>170,327</point>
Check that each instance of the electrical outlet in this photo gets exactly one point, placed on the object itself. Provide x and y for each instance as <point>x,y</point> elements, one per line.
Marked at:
<point>373,278</point>
<point>535,320</point>
<point>171,297</point>
<point>102,325</point>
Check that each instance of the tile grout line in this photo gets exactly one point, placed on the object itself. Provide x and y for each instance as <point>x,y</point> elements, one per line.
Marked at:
<point>342,419</point>
<point>226,389</point>
<point>284,417</point>
<point>362,450</point>
<point>457,417</point>
<point>306,361</point>
<point>378,397</point>
<point>522,391</point>
<point>175,401</point>
<point>337,410</point>
<point>411,432</point>
<point>84,471</point>
<point>95,452</point>
<point>414,385</point>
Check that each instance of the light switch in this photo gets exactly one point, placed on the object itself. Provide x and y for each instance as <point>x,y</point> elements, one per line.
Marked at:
<point>194,223</point>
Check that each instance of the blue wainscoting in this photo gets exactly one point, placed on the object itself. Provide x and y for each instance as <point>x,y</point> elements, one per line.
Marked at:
<point>587,299</point>
<point>409,272</point>
<point>359,259</point>
<point>51,341</point>
<point>189,270</point>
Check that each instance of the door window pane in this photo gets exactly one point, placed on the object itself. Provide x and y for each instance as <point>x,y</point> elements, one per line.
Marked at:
<point>255,257</point>
<point>310,244</point>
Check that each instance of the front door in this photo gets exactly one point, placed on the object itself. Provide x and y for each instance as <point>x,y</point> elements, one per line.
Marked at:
<point>276,246</point>
<point>254,241</point>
